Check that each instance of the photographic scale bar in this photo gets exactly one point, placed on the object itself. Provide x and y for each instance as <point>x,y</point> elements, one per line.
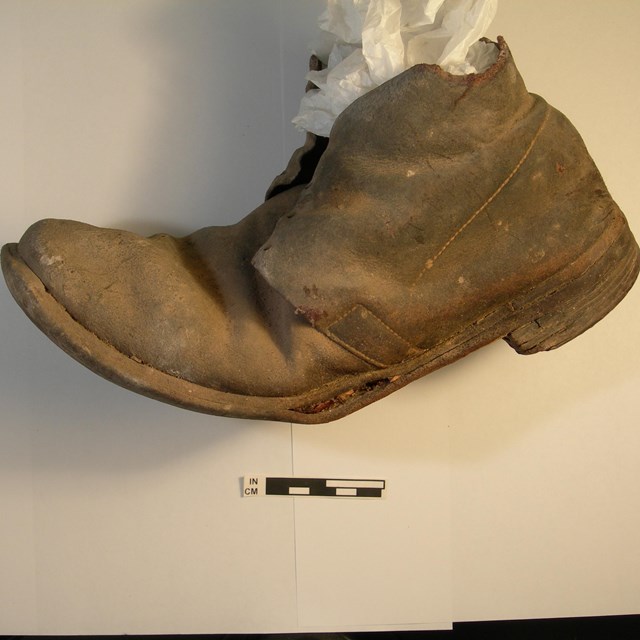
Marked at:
<point>324,487</point>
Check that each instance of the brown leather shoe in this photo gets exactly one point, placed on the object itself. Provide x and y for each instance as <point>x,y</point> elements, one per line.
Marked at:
<point>446,212</point>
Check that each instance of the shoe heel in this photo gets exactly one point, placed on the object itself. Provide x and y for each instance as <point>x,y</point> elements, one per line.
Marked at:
<point>573,307</point>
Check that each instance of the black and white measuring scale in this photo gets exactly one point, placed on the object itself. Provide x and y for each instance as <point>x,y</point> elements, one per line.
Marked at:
<point>254,486</point>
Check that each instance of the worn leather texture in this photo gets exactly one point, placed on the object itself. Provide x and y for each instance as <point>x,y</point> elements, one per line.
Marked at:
<point>438,197</point>
<point>444,212</point>
<point>191,307</point>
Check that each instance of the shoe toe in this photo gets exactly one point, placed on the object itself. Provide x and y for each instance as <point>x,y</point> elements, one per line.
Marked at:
<point>120,286</point>
<point>48,249</point>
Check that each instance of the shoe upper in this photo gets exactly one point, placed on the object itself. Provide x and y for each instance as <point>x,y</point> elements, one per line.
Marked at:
<point>191,307</point>
<point>437,198</point>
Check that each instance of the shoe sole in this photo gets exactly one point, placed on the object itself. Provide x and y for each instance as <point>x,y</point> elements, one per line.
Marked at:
<point>545,317</point>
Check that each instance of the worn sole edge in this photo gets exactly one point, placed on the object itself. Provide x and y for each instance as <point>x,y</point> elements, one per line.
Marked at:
<point>348,393</point>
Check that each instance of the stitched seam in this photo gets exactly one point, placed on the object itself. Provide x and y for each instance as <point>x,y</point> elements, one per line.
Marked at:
<point>368,358</point>
<point>357,352</point>
<point>429,263</point>
<point>375,317</point>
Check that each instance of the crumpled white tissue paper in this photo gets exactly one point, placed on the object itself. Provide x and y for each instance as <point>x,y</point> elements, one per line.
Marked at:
<point>364,43</point>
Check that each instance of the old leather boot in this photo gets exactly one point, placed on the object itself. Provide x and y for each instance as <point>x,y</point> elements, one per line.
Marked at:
<point>446,212</point>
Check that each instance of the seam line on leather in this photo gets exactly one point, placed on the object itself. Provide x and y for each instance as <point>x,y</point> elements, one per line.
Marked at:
<point>429,263</point>
<point>359,353</point>
<point>375,317</point>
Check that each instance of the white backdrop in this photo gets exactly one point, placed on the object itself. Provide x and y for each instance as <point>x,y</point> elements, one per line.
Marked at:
<point>514,481</point>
